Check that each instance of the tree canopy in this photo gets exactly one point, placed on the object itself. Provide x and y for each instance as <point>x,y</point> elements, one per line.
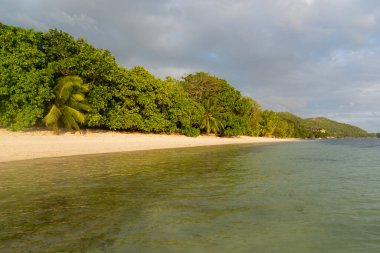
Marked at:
<point>36,68</point>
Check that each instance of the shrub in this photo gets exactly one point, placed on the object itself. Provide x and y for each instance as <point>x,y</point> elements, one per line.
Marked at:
<point>191,132</point>
<point>230,132</point>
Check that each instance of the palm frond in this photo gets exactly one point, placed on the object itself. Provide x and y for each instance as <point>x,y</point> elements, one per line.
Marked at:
<point>79,106</point>
<point>78,97</point>
<point>67,118</point>
<point>83,107</point>
<point>84,88</point>
<point>65,92</point>
<point>52,117</point>
<point>70,123</point>
<point>77,115</point>
<point>69,103</point>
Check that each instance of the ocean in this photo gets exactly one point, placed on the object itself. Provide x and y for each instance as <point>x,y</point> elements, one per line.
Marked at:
<point>306,196</point>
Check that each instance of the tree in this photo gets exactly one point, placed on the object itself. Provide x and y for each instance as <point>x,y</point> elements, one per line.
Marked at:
<point>201,86</point>
<point>137,102</point>
<point>69,104</point>
<point>254,128</point>
<point>233,109</point>
<point>185,113</point>
<point>283,129</point>
<point>210,122</point>
<point>269,122</point>
<point>25,79</point>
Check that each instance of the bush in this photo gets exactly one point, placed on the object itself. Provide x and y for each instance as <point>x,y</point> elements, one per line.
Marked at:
<point>230,132</point>
<point>191,132</point>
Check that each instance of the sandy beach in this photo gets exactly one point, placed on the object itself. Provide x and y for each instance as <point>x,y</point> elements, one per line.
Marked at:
<point>42,144</point>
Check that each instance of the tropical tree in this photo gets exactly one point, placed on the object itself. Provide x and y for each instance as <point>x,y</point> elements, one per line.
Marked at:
<point>25,78</point>
<point>201,86</point>
<point>254,127</point>
<point>185,113</point>
<point>269,121</point>
<point>69,105</point>
<point>210,122</point>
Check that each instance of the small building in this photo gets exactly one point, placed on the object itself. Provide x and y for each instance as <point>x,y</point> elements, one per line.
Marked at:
<point>318,130</point>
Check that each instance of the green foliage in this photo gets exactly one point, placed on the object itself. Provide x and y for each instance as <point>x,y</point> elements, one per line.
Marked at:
<point>254,118</point>
<point>322,127</point>
<point>137,102</point>
<point>69,104</point>
<point>32,63</point>
<point>226,111</point>
<point>25,78</point>
<point>210,121</point>
<point>58,45</point>
<point>191,132</point>
<point>336,129</point>
<point>269,121</point>
<point>201,86</point>
<point>298,125</point>
<point>184,112</point>
<point>132,100</point>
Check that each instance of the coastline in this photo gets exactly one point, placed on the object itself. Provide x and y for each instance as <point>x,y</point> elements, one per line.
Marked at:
<point>34,144</point>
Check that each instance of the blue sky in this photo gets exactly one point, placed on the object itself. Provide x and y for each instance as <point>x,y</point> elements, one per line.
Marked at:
<point>309,57</point>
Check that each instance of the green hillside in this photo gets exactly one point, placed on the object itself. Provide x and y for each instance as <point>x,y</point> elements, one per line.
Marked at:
<point>337,129</point>
<point>292,118</point>
<point>323,127</point>
<point>301,128</point>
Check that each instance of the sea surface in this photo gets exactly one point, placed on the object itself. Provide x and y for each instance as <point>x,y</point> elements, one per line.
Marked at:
<point>307,196</point>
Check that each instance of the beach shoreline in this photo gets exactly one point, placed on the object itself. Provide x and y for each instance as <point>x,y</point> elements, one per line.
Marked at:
<point>24,145</point>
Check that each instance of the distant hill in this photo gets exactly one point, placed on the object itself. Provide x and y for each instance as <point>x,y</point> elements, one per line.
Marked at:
<point>323,127</point>
<point>338,129</point>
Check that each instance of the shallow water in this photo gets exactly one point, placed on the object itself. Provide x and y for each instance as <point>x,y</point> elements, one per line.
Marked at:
<point>312,196</point>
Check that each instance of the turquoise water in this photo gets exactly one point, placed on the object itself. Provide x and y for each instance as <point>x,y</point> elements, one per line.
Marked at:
<point>312,196</point>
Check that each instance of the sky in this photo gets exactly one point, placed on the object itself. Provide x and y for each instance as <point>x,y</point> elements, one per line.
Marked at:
<point>309,57</point>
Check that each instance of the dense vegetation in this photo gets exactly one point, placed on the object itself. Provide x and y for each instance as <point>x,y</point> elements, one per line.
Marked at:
<point>51,79</point>
<point>322,127</point>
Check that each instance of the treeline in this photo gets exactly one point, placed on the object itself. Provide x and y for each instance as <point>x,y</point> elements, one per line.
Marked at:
<point>51,78</point>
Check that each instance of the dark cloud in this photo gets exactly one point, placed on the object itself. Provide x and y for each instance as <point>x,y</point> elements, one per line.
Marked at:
<point>310,57</point>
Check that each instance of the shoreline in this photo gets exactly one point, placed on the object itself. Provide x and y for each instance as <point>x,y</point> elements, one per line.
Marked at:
<point>24,145</point>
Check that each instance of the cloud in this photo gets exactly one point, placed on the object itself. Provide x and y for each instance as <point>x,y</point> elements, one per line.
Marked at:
<point>81,20</point>
<point>305,56</point>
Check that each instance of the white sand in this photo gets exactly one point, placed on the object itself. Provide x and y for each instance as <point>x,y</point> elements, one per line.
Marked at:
<point>38,144</point>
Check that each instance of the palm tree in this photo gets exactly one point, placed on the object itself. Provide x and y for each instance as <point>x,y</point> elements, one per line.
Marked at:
<point>69,104</point>
<point>210,121</point>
